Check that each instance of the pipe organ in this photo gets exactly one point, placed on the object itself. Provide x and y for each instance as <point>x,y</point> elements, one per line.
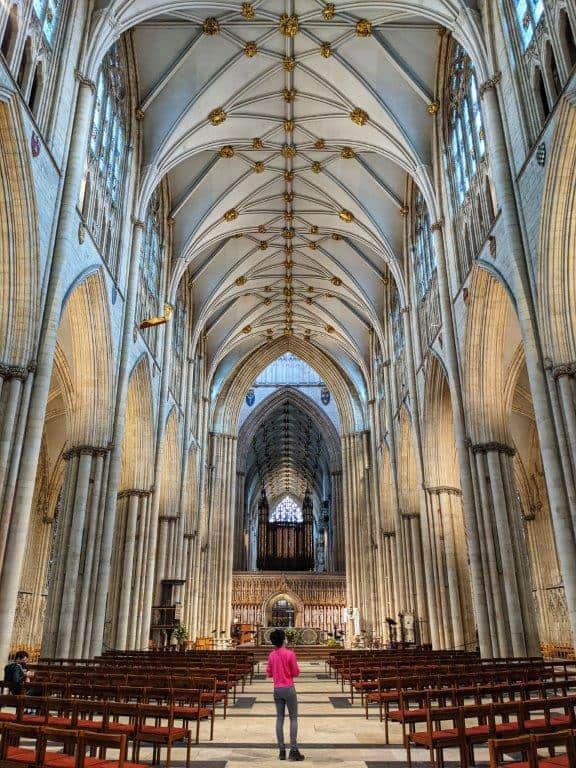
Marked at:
<point>285,544</point>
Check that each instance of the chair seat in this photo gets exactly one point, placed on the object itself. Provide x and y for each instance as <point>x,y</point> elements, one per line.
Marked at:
<point>407,714</point>
<point>20,755</point>
<point>425,738</point>
<point>507,727</point>
<point>477,730</point>
<point>162,730</point>
<point>120,728</point>
<point>554,762</point>
<point>34,719</point>
<point>384,696</point>
<point>59,722</point>
<point>116,763</point>
<point>192,712</point>
<point>207,696</point>
<point>7,717</point>
<point>89,725</point>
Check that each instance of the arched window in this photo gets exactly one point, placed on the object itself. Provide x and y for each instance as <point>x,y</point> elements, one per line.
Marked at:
<point>25,64</point>
<point>179,339</point>
<point>567,39</point>
<point>10,32</point>
<point>528,14</point>
<point>47,12</point>
<point>397,326</point>
<point>424,256</point>
<point>466,143</point>
<point>287,511</point>
<point>106,160</point>
<point>36,88</point>
<point>149,298</point>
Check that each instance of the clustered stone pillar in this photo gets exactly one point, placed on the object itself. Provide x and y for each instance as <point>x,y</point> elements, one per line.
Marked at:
<point>129,630</point>
<point>337,519</point>
<point>505,559</point>
<point>73,588</point>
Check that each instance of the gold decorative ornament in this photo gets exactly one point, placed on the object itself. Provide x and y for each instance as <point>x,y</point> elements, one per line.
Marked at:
<point>211,26</point>
<point>217,116</point>
<point>267,289</point>
<point>310,289</point>
<point>346,216</point>
<point>289,94</point>
<point>288,233</point>
<point>231,215</point>
<point>289,125</point>
<point>316,167</point>
<point>257,144</point>
<point>263,245</point>
<point>240,280</point>
<point>270,333</point>
<point>359,116</point>
<point>329,329</point>
<point>238,235</point>
<point>259,167</point>
<point>289,63</point>
<point>247,329</point>
<point>309,300</point>
<point>313,229</point>
<point>288,291</point>
<point>262,229</point>
<point>288,175</point>
<point>312,244</point>
<point>248,11</point>
<point>433,108</point>
<point>326,50</point>
<point>336,281</point>
<point>227,152</point>
<point>288,216</point>
<point>288,251</point>
<point>250,50</point>
<point>404,210</point>
<point>364,28</point>
<point>348,153</point>
<point>336,236</point>
<point>319,144</point>
<point>151,322</point>
<point>288,150</point>
<point>328,12</point>
<point>289,197</point>
<point>289,25</point>
<point>268,302</point>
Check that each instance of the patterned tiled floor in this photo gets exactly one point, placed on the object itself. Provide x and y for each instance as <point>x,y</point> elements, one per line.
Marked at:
<point>329,734</point>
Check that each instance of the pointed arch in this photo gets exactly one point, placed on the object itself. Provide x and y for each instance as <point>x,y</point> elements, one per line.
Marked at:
<point>19,256</point>
<point>171,467</point>
<point>440,461</point>
<point>138,444</point>
<point>407,470</point>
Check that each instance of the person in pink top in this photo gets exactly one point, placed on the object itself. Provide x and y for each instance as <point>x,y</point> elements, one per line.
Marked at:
<point>283,668</point>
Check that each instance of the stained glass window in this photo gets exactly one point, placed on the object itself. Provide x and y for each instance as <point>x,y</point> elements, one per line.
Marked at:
<point>466,142</point>
<point>287,511</point>
<point>397,326</point>
<point>424,256</point>
<point>528,14</point>
<point>47,12</point>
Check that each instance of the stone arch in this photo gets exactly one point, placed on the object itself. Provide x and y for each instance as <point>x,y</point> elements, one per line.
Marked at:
<point>556,272</point>
<point>85,338</point>
<point>386,491</point>
<point>227,407</point>
<point>171,467</point>
<point>491,332</point>
<point>439,443</point>
<point>19,249</point>
<point>138,444</point>
<point>289,595</point>
<point>407,470</point>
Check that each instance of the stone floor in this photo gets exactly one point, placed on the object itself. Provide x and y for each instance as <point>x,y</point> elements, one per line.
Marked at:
<point>329,733</point>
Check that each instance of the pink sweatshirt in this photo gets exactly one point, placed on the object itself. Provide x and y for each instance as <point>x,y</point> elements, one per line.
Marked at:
<point>282,667</point>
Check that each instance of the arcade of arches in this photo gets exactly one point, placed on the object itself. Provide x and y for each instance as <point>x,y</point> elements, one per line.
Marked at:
<point>287,321</point>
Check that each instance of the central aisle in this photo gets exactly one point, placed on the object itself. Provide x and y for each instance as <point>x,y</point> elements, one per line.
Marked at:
<point>328,732</point>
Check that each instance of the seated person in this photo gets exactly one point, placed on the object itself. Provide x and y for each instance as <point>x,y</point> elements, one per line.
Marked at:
<point>16,673</point>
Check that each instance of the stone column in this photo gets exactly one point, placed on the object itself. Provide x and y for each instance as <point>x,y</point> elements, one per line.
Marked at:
<point>468,498</point>
<point>525,305</point>
<point>32,439</point>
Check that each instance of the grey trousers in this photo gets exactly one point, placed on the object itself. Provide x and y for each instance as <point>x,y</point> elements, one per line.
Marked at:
<point>286,697</point>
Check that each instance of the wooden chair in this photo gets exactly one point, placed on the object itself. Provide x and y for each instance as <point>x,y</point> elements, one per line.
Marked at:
<point>436,738</point>
<point>162,733</point>
<point>500,749</point>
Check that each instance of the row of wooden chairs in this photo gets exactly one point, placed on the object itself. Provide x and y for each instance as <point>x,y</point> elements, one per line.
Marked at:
<point>139,723</point>
<point>526,750</point>
<point>470,726</point>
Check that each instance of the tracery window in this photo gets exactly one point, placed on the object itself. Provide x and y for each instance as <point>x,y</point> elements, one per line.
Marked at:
<point>106,165</point>
<point>426,285</point>
<point>528,14</point>
<point>150,284</point>
<point>287,511</point>
<point>466,144</point>
<point>178,340</point>
<point>47,12</point>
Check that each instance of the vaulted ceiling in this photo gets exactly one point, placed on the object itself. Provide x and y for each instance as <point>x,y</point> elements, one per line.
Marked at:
<point>287,130</point>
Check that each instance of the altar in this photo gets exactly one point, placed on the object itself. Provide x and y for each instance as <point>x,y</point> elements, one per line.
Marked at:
<point>297,636</point>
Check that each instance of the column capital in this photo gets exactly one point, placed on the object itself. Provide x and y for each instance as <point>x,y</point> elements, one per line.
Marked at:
<point>409,515</point>
<point>14,371</point>
<point>492,446</point>
<point>84,80</point>
<point>86,450</point>
<point>565,369</point>
<point>437,226</point>
<point>405,310</point>
<point>490,83</point>
<point>167,518</point>
<point>138,223</point>
<point>437,490</point>
<point>133,492</point>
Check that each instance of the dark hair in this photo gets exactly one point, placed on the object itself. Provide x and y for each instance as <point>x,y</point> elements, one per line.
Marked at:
<point>277,637</point>
<point>21,655</point>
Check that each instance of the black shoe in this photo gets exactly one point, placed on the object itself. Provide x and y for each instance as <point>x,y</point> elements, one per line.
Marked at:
<point>282,754</point>
<point>295,755</point>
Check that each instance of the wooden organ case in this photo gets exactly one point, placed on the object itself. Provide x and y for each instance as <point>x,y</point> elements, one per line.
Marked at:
<point>285,545</point>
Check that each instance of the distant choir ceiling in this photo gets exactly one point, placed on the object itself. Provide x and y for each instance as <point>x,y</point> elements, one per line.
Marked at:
<point>287,130</point>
